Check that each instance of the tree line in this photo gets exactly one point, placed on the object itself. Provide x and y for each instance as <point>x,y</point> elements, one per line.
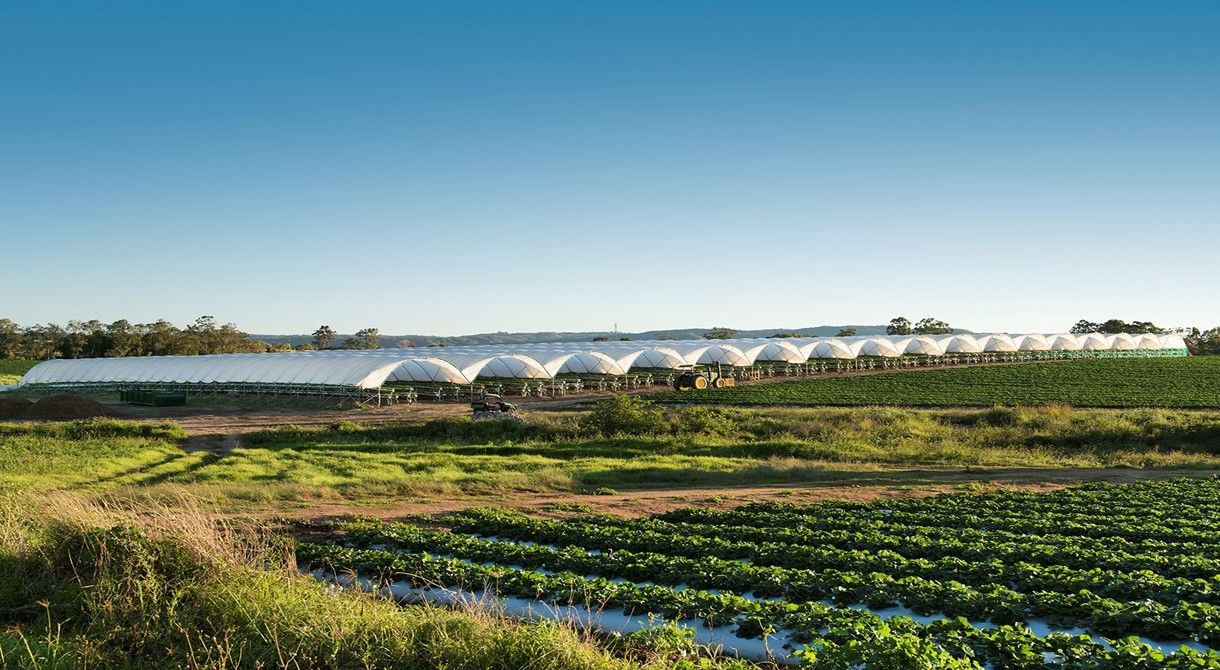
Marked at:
<point>94,339</point>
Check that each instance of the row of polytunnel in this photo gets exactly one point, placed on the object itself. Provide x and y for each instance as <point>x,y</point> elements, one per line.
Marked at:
<point>463,365</point>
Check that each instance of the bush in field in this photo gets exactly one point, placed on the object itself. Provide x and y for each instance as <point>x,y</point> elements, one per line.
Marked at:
<point>701,420</point>
<point>625,415</point>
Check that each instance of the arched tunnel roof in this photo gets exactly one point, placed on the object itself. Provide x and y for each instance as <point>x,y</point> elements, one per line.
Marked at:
<point>463,365</point>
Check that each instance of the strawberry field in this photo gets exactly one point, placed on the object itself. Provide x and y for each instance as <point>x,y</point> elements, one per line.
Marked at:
<point>1098,576</point>
<point>1133,382</point>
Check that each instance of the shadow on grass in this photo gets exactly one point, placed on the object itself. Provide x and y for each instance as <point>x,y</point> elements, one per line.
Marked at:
<point>815,478</point>
<point>204,460</point>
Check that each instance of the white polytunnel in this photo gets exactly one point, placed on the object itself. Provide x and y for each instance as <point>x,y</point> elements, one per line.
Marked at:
<point>370,369</point>
<point>1147,341</point>
<point>591,363</point>
<point>706,353</point>
<point>656,357</point>
<point>1172,341</point>
<point>879,346</point>
<point>831,348</point>
<point>1121,342</point>
<point>1064,342</point>
<point>923,345</point>
<point>427,370</point>
<point>723,354</point>
<point>1031,342</point>
<point>1001,342</point>
<point>960,344</point>
<point>1093,342</point>
<point>771,350</point>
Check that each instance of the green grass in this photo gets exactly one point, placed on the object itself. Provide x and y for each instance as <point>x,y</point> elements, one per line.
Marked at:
<point>122,586</point>
<point>686,447</point>
<point>12,369</point>
<point>1152,382</point>
<point>93,454</point>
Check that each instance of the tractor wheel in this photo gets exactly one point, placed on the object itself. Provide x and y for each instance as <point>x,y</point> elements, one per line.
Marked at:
<point>700,382</point>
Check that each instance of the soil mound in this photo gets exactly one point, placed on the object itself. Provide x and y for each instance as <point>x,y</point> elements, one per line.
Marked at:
<point>14,407</point>
<point>67,408</point>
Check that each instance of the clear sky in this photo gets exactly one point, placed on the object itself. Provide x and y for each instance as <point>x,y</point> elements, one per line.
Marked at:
<point>457,167</point>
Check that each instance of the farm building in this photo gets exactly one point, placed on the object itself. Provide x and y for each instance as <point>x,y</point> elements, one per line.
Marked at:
<point>364,371</point>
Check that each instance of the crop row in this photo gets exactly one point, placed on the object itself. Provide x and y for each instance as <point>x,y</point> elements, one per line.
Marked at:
<point>981,555</point>
<point>1109,602</point>
<point>850,636</point>
<point>1180,510</point>
<point>1163,382</point>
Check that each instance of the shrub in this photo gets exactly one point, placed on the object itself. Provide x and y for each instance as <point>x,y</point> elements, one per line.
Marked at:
<point>702,420</point>
<point>625,415</point>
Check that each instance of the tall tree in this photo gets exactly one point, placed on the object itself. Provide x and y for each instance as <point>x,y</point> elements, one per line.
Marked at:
<point>1205,343</point>
<point>10,339</point>
<point>846,332</point>
<point>1084,326</point>
<point>41,343</point>
<point>323,337</point>
<point>930,326</point>
<point>122,340</point>
<point>899,326</point>
<point>367,338</point>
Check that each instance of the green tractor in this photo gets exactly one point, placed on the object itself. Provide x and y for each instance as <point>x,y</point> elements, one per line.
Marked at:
<point>698,377</point>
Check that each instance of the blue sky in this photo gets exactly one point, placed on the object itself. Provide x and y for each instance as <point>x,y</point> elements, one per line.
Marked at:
<point>457,167</point>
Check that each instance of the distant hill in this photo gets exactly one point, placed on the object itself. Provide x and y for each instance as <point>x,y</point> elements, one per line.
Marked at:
<point>391,341</point>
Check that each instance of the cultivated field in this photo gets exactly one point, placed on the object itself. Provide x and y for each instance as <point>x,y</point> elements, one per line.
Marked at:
<point>1108,382</point>
<point>848,548</point>
<point>884,584</point>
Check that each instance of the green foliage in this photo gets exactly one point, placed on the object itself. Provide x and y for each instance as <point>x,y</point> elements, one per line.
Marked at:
<point>625,415</point>
<point>12,369</point>
<point>367,338</point>
<point>1205,343</point>
<point>930,326</point>
<point>703,420</point>
<point>1115,326</point>
<point>177,590</point>
<point>734,447</point>
<point>1135,382</point>
<point>1118,560</point>
<point>93,452</point>
<point>899,326</point>
<point>323,337</point>
<point>94,339</point>
<point>720,333</point>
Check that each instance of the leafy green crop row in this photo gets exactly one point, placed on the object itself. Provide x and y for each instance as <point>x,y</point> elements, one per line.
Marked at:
<point>1119,560</point>
<point>1151,382</point>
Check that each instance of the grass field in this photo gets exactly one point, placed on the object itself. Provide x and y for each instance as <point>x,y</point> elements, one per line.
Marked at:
<point>11,369</point>
<point>1136,382</point>
<point>635,446</point>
